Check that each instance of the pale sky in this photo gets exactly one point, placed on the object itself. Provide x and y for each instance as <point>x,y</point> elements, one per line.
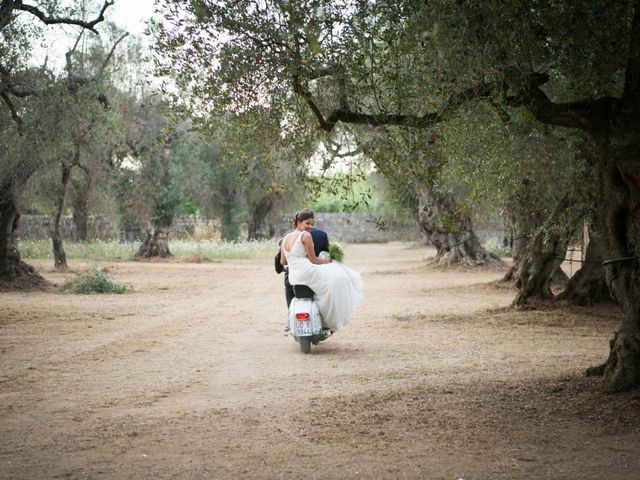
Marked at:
<point>129,14</point>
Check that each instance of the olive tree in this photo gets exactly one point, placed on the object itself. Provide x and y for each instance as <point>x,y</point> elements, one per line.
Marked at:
<point>92,132</point>
<point>544,69</point>
<point>145,171</point>
<point>33,118</point>
<point>238,169</point>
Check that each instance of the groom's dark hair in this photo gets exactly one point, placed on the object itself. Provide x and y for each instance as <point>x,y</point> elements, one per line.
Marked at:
<point>302,215</point>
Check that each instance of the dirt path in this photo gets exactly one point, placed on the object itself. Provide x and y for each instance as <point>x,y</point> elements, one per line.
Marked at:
<point>190,377</point>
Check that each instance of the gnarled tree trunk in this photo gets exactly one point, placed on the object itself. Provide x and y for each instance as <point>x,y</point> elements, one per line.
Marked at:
<point>80,221</point>
<point>518,248</point>
<point>451,232</point>
<point>525,217</point>
<point>536,268</point>
<point>588,285</point>
<point>229,227</point>
<point>155,243</point>
<point>14,273</point>
<point>9,219</point>
<point>256,227</point>
<point>443,223</point>
<point>543,256</point>
<point>80,208</point>
<point>620,191</point>
<point>558,277</point>
<point>59,255</point>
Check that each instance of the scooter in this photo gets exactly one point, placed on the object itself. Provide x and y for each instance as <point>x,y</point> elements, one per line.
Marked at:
<point>305,321</point>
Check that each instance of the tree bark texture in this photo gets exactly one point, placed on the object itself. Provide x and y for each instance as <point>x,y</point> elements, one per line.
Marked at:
<point>9,219</point>
<point>256,228</point>
<point>229,228</point>
<point>620,190</point>
<point>155,243</point>
<point>80,221</point>
<point>451,232</point>
<point>522,232</point>
<point>543,256</point>
<point>588,285</point>
<point>524,218</point>
<point>517,250</point>
<point>536,268</point>
<point>14,273</point>
<point>80,202</point>
<point>59,255</point>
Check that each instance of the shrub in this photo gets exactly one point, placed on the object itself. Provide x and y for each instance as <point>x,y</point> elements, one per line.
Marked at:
<point>497,248</point>
<point>94,280</point>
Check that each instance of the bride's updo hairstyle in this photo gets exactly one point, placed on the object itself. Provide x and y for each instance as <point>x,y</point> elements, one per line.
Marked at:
<point>301,216</point>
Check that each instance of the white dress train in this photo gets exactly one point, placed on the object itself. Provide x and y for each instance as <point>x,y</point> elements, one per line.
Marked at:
<point>337,288</point>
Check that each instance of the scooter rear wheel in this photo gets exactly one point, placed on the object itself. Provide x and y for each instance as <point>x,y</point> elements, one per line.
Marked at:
<point>305,344</point>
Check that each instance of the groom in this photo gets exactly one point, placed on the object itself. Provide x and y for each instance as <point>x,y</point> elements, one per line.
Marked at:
<point>320,243</point>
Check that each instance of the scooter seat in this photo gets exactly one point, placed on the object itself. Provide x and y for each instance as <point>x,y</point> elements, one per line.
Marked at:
<point>302,291</point>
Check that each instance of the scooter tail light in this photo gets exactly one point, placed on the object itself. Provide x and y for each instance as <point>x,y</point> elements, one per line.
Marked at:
<point>302,316</point>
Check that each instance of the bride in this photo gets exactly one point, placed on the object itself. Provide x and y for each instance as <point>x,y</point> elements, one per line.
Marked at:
<point>337,288</point>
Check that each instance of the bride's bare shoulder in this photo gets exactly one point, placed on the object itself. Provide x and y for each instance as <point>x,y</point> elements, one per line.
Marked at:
<point>289,238</point>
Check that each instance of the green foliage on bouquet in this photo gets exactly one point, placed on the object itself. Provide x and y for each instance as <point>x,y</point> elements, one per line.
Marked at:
<point>336,252</point>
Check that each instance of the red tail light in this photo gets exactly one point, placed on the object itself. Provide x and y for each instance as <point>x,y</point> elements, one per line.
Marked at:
<point>302,316</point>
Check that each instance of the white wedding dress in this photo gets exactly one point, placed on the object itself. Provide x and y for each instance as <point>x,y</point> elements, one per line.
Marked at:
<point>337,288</point>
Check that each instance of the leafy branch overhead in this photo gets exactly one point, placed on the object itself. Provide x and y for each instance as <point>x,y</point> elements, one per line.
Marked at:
<point>11,88</point>
<point>324,52</point>
<point>9,7</point>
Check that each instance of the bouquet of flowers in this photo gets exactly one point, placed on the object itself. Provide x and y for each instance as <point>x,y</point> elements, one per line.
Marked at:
<point>335,252</point>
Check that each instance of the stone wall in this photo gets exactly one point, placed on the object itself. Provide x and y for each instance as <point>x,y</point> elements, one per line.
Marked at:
<point>105,228</point>
<point>355,228</point>
<point>358,228</point>
<point>187,227</point>
<point>38,227</point>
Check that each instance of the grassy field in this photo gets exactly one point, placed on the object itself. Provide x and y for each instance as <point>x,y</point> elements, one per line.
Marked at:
<point>206,250</point>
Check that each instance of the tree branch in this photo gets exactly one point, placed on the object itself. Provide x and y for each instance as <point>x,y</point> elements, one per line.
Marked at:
<point>427,120</point>
<point>505,101</point>
<point>113,49</point>
<point>20,91</point>
<point>306,95</point>
<point>69,54</point>
<point>14,113</point>
<point>84,169</point>
<point>334,148</point>
<point>6,85</point>
<point>587,115</point>
<point>18,5</point>
<point>632,74</point>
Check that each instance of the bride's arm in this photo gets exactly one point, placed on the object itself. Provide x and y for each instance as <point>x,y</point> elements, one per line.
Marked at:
<point>307,241</point>
<point>283,257</point>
